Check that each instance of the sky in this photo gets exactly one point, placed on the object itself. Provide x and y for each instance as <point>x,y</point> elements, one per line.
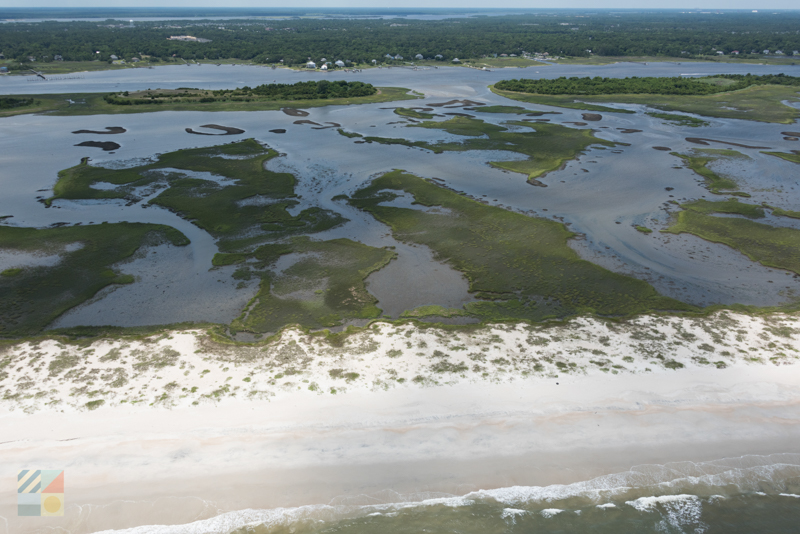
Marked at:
<point>592,4</point>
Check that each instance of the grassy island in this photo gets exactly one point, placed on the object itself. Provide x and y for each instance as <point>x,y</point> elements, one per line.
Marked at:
<point>547,146</point>
<point>731,96</point>
<point>249,207</point>
<point>699,159</point>
<point>519,267</point>
<point>243,99</point>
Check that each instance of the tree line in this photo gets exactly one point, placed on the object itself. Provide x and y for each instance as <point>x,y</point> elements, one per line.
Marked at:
<point>647,85</point>
<point>293,41</point>
<point>318,90</point>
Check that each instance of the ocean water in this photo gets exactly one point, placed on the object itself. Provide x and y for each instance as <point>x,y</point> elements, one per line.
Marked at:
<point>751,494</point>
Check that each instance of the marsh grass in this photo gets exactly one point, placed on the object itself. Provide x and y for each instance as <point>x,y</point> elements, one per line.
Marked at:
<point>794,156</point>
<point>94,104</point>
<point>213,207</point>
<point>698,161</point>
<point>680,120</point>
<point>522,264</point>
<point>763,103</point>
<point>771,246</point>
<point>37,295</point>
<point>731,205</point>
<point>407,112</point>
<point>324,288</point>
<point>547,146</point>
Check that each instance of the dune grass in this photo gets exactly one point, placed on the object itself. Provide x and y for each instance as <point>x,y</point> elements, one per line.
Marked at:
<point>520,267</point>
<point>769,245</point>
<point>34,296</point>
<point>547,146</point>
<point>94,104</point>
<point>763,103</point>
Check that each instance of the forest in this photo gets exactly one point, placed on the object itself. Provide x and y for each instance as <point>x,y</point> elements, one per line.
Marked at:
<point>292,40</point>
<point>655,86</point>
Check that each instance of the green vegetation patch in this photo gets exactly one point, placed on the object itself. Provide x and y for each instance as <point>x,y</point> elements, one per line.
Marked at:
<point>698,161</point>
<point>225,210</point>
<point>547,146</point>
<point>676,85</point>
<point>323,288</point>
<point>35,296</point>
<point>763,103</point>
<point>784,213</point>
<point>433,310</point>
<point>519,267</point>
<point>680,120</point>
<point>732,205</point>
<point>512,109</point>
<point>319,90</point>
<point>73,104</point>
<point>768,245</point>
<point>793,156</point>
<point>643,229</point>
<point>413,113</point>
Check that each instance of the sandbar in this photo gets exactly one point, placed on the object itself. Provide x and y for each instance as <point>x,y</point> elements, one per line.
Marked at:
<point>105,145</point>
<point>227,129</point>
<point>108,130</point>
<point>705,141</point>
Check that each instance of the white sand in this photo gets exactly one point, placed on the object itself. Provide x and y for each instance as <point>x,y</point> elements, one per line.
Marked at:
<point>513,417</point>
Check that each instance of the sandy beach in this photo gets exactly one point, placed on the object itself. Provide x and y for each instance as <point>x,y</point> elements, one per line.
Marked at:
<point>196,456</point>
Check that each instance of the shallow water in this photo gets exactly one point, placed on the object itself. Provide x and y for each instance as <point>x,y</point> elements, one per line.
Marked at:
<point>601,195</point>
<point>734,495</point>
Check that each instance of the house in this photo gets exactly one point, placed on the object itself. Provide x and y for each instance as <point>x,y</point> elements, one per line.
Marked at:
<point>311,65</point>
<point>796,53</point>
<point>2,56</point>
<point>58,57</point>
<point>456,60</point>
<point>735,53</point>
<point>135,60</point>
<point>720,53</point>
<point>398,56</point>
<point>779,52</point>
<point>339,63</point>
<point>503,55</point>
<point>438,56</point>
<point>3,70</point>
<point>113,57</point>
<point>512,55</point>
<point>766,52</point>
<point>418,56</point>
<point>324,67</point>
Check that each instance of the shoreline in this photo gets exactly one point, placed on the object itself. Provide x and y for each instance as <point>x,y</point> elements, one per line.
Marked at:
<point>374,442</point>
<point>146,467</point>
